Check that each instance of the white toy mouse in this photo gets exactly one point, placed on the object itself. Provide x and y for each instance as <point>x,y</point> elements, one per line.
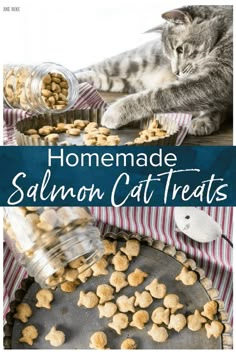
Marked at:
<point>197,224</point>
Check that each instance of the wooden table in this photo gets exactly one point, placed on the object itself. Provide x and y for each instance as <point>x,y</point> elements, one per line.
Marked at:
<point>223,137</point>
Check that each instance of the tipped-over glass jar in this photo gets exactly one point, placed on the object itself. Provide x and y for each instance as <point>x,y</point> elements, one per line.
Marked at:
<point>46,240</point>
<point>46,88</point>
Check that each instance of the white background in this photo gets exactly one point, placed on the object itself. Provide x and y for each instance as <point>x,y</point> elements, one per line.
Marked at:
<point>78,33</point>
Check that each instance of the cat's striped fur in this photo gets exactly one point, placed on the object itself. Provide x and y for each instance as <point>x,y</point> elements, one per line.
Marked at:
<point>188,68</point>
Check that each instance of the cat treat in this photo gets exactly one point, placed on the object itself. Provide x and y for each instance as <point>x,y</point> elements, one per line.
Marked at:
<point>125,304</point>
<point>105,293</point>
<point>98,340</point>
<point>156,289</point>
<point>131,249</point>
<point>109,247</point>
<point>120,262</point>
<point>177,322</point>
<point>158,334</point>
<point>55,337</point>
<point>76,263</point>
<point>99,268</point>
<point>69,286</point>
<point>31,132</point>
<point>128,343</point>
<point>81,124</point>
<point>139,319</point>
<point>23,312</point>
<point>71,274</point>
<point>52,138</point>
<point>73,131</point>
<point>188,277</point>
<point>137,277</point>
<point>143,299</point>
<point>29,334</point>
<point>91,126</point>
<point>119,322</point>
<point>195,321</point>
<point>210,309</point>
<point>84,273</point>
<point>214,329</point>
<point>88,300</point>
<point>171,301</point>
<point>107,310</point>
<point>61,128</point>
<point>118,280</point>
<point>44,298</point>
<point>161,315</point>
<point>45,130</point>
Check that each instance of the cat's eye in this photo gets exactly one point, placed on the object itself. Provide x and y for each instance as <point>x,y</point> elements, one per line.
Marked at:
<point>179,50</point>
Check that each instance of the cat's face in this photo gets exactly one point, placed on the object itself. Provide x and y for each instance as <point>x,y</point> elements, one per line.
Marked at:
<point>187,45</point>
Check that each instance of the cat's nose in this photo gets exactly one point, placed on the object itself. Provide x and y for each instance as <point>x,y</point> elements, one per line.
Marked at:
<point>177,72</point>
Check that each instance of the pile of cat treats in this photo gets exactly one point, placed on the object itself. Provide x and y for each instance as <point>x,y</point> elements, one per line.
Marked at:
<point>92,134</point>
<point>120,310</point>
<point>152,133</point>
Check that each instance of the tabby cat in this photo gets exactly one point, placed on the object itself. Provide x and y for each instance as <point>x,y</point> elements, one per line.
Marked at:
<point>189,68</point>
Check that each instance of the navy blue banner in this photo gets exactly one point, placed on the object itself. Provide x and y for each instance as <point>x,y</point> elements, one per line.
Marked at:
<point>118,176</point>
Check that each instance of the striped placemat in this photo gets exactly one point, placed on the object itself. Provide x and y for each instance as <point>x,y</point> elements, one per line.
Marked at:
<point>215,257</point>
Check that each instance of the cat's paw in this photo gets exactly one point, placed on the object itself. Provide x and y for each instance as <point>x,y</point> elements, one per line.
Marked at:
<point>202,126</point>
<point>114,117</point>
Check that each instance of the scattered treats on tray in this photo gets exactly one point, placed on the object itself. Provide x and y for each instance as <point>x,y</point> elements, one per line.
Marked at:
<point>92,134</point>
<point>121,306</point>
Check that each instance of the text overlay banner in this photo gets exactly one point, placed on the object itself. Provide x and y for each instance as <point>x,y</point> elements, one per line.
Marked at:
<point>118,176</point>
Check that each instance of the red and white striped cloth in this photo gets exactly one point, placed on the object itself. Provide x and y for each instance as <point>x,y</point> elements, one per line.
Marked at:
<point>89,98</point>
<point>157,222</point>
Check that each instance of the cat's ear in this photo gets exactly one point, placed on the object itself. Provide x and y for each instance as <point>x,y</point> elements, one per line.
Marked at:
<point>158,28</point>
<point>177,16</point>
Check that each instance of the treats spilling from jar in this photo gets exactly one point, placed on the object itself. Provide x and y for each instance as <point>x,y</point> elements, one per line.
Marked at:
<point>54,90</point>
<point>39,232</point>
<point>92,134</point>
<point>22,91</point>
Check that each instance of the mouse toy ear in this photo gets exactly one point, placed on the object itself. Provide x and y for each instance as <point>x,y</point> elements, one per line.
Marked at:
<point>158,28</point>
<point>177,16</point>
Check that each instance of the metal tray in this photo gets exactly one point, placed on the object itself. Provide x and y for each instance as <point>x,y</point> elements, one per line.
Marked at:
<point>78,324</point>
<point>126,134</point>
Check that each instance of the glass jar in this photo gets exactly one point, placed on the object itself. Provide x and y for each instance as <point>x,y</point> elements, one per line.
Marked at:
<point>46,239</point>
<point>46,88</point>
